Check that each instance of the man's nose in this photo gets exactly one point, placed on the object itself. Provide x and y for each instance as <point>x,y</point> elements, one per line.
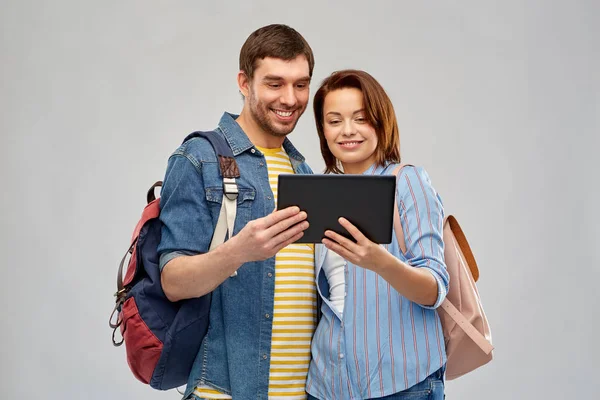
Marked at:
<point>288,96</point>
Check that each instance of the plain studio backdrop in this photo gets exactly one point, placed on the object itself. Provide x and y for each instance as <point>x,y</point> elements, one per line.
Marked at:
<point>498,100</point>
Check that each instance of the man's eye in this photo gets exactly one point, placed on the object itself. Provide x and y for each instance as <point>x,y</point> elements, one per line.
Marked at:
<point>274,85</point>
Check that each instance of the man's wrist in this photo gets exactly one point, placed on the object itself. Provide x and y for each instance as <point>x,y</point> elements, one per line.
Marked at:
<point>232,252</point>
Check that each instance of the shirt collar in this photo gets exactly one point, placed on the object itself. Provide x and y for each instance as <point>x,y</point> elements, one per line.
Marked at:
<point>375,169</point>
<point>239,141</point>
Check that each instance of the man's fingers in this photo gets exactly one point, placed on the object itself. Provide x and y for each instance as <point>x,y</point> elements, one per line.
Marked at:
<point>288,234</point>
<point>283,225</point>
<point>289,241</point>
<point>277,216</point>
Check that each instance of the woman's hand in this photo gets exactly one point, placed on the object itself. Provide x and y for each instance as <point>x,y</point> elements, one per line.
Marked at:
<point>416,284</point>
<point>363,253</point>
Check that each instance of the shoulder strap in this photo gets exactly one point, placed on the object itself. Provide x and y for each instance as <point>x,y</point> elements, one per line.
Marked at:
<point>462,242</point>
<point>229,171</point>
<point>477,337</point>
<point>218,143</point>
<point>397,224</point>
<point>227,164</point>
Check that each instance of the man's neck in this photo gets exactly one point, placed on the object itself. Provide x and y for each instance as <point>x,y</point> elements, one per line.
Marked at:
<point>256,134</point>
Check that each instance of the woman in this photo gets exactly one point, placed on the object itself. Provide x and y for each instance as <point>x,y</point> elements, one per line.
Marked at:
<point>379,335</point>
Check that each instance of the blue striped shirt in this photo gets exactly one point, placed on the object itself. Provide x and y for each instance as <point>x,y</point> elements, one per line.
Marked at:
<point>383,343</point>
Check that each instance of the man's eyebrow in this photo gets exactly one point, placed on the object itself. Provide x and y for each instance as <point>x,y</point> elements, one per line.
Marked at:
<point>280,78</point>
<point>272,78</point>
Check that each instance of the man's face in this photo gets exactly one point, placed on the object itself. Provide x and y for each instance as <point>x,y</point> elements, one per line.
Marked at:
<point>278,93</point>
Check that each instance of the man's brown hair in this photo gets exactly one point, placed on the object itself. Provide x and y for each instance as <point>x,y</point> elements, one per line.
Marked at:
<point>378,109</point>
<point>276,41</point>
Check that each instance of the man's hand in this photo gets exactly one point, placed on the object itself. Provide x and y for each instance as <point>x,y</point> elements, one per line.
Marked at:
<point>262,238</point>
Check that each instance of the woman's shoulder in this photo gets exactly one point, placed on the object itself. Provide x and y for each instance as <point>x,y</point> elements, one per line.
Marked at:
<point>408,172</point>
<point>413,179</point>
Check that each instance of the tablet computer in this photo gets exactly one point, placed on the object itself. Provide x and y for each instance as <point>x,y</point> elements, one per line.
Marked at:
<point>367,201</point>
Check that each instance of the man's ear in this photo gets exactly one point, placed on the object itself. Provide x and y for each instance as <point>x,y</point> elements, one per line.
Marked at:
<point>243,83</point>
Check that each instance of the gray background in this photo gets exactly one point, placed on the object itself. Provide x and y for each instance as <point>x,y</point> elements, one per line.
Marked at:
<point>499,101</point>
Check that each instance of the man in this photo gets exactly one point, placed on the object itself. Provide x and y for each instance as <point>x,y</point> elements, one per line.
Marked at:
<point>262,318</point>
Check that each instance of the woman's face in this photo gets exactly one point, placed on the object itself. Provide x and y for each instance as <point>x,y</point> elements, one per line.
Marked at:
<point>350,137</point>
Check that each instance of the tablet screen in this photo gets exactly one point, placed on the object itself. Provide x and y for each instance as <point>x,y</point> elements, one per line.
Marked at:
<point>367,201</point>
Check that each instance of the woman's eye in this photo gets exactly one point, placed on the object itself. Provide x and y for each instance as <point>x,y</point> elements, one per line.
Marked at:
<point>335,121</point>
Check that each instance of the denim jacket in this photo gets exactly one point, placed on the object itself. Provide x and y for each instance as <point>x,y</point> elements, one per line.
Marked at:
<point>235,354</point>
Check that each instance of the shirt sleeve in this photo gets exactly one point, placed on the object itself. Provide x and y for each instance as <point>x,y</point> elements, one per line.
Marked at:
<point>187,225</point>
<point>421,216</point>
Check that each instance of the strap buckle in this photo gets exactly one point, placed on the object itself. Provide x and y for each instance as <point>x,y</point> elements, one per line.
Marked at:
<point>230,188</point>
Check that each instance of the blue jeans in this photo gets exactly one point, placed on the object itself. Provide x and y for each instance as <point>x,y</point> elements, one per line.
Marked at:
<point>431,388</point>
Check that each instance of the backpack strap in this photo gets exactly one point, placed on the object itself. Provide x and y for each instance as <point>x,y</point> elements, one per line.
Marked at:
<point>229,171</point>
<point>478,338</point>
<point>462,242</point>
<point>227,164</point>
<point>397,224</point>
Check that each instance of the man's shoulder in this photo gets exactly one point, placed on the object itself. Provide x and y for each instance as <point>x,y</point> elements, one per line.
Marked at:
<point>304,168</point>
<point>198,148</point>
<point>293,153</point>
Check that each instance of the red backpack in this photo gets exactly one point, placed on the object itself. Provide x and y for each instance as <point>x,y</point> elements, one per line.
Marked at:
<point>162,338</point>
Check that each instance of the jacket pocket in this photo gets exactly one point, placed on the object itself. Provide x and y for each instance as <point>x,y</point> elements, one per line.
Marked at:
<point>245,202</point>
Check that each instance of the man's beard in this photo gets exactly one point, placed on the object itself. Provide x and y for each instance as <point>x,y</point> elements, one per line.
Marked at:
<point>260,113</point>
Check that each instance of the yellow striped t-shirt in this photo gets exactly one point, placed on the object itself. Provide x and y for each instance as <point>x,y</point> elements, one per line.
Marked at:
<point>294,312</point>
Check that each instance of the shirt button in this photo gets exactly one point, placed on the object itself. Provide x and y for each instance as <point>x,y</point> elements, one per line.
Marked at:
<point>267,316</point>
<point>345,294</point>
<point>264,356</point>
<point>341,355</point>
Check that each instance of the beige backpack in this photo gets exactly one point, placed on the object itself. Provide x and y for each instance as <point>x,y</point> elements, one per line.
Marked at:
<point>466,330</point>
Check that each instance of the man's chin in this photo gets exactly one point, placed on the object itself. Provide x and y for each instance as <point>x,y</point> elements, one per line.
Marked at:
<point>279,133</point>
<point>283,129</point>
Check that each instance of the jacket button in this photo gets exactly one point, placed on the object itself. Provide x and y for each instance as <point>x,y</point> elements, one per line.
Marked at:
<point>264,356</point>
<point>270,275</point>
<point>267,316</point>
<point>252,151</point>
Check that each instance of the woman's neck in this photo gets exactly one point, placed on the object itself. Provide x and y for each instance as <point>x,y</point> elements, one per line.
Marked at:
<point>357,168</point>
